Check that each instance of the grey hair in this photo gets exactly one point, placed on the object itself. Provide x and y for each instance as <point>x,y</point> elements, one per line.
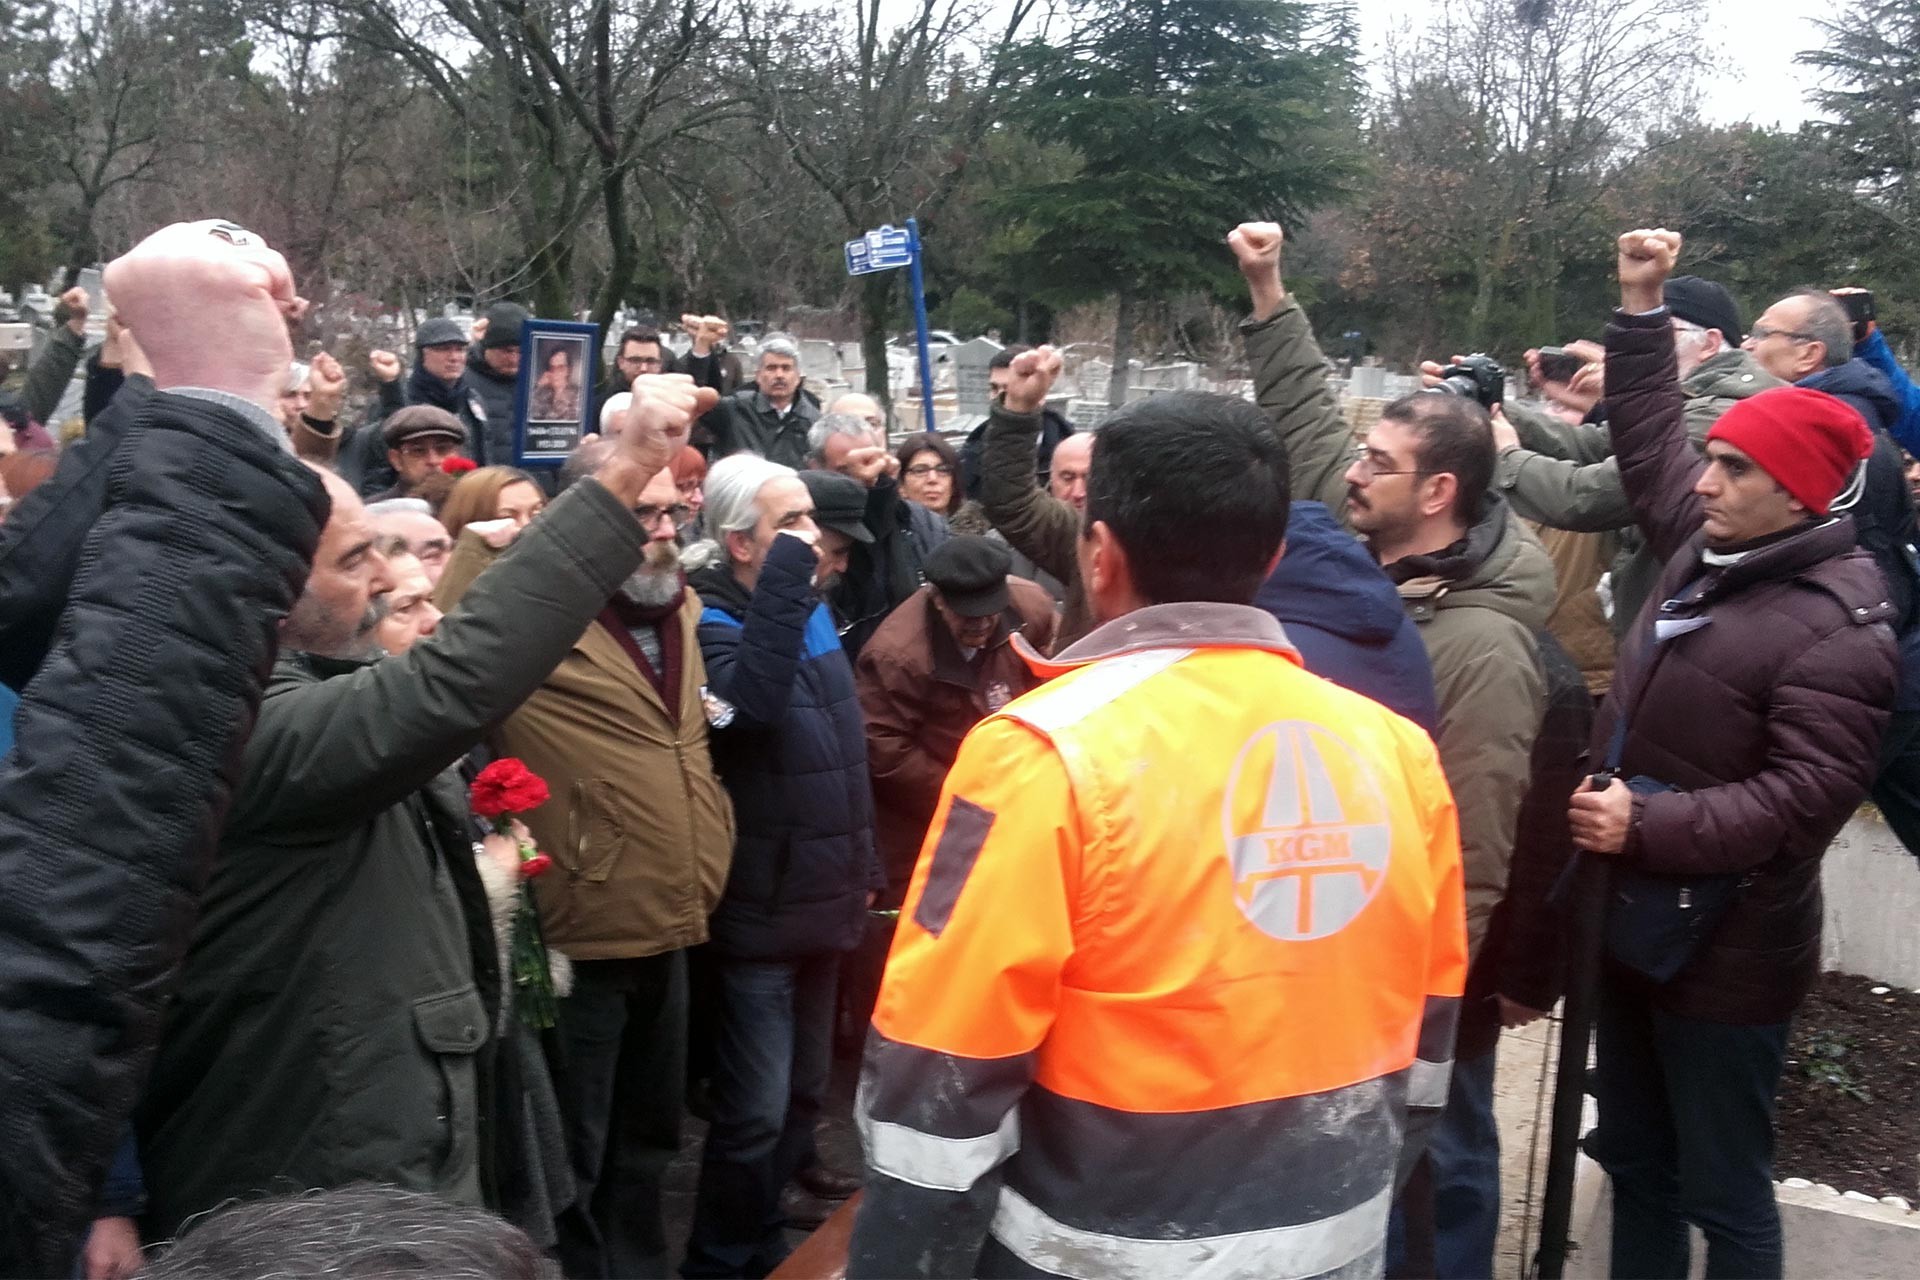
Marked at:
<point>733,491</point>
<point>780,345</point>
<point>585,460</point>
<point>399,506</point>
<point>1828,324</point>
<point>362,1231</point>
<point>830,425</point>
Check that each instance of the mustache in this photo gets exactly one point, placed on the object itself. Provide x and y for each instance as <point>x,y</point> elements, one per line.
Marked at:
<point>1353,496</point>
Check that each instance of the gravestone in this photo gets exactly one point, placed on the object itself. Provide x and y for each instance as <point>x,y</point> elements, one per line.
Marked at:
<point>972,391</point>
<point>820,361</point>
<point>1367,382</point>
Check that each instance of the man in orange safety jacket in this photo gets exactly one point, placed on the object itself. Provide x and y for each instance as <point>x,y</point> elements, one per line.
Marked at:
<point>1176,977</point>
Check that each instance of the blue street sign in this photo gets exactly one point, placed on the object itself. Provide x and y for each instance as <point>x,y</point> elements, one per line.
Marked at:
<point>882,249</point>
<point>889,248</point>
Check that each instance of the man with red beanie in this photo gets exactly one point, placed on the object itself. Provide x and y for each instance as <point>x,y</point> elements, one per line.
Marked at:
<point>1743,725</point>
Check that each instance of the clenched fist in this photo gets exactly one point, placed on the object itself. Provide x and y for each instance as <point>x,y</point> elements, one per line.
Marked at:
<point>1256,248</point>
<point>208,302</point>
<point>659,419</point>
<point>1647,258</point>
<point>1032,374</point>
<point>326,387</point>
<point>385,365</point>
<point>76,304</point>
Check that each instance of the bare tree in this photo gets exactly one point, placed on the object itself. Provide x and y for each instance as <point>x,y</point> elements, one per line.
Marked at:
<point>883,119</point>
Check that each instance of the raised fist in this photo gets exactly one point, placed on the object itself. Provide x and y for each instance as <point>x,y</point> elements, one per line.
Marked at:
<point>208,302</point>
<point>77,304</point>
<point>326,387</point>
<point>1647,258</point>
<point>385,365</point>
<point>1032,378</point>
<point>868,463</point>
<point>1256,246</point>
<point>660,418</point>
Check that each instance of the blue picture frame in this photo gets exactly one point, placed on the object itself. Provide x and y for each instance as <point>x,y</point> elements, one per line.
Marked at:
<point>551,415</point>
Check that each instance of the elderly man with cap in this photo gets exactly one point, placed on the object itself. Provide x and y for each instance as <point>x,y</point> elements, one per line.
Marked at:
<point>1740,734</point>
<point>439,379</point>
<point>942,662</point>
<point>1567,478</point>
<point>419,438</point>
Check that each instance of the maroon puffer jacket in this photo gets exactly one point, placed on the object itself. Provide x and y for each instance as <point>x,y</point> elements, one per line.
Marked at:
<point>1768,718</point>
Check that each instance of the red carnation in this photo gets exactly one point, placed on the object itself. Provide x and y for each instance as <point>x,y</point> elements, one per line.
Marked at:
<point>531,867</point>
<point>505,787</point>
<point>454,465</point>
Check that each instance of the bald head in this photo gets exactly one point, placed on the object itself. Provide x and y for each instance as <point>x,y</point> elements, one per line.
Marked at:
<point>1072,459</point>
<point>864,407</point>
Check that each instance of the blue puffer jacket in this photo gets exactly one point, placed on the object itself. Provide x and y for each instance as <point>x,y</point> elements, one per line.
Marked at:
<point>1346,618</point>
<point>794,757</point>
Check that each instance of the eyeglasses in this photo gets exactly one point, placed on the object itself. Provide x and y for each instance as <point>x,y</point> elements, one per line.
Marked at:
<point>434,447</point>
<point>641,362</point>
<point>649,516</point>
<point>929,469</point>
<point>1761,333</point>
<point>1364,463</point>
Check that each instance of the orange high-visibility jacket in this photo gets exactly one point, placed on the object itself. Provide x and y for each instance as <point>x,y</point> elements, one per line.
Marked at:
<point>1180,961</point>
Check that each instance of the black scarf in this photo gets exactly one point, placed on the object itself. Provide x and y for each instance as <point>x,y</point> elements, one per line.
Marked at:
<point>424,388</point>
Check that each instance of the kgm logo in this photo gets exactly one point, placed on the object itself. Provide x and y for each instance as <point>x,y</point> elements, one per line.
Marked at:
<point>1307,829</point>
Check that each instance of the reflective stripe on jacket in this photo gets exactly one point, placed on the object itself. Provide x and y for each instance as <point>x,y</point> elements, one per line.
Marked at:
<point>1181,958</point>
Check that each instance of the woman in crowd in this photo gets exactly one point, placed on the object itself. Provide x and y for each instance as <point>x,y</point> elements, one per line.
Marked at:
<point>690,478</point>
<point>930,474</point>
<point>492,493</point>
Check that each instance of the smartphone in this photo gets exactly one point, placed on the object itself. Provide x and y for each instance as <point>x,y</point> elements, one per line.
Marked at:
<point>1859,305</point>
<point>1557,364</point>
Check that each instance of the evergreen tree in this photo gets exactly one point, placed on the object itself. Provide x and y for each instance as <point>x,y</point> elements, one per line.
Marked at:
<point>1185,117</point>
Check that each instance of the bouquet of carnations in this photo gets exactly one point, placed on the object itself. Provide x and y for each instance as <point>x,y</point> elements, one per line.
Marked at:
<point>502,792</point>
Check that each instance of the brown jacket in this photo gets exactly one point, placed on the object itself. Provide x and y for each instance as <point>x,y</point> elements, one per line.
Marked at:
<point>639,825</point>
<point>1767,717</point>
<point>921,698</point>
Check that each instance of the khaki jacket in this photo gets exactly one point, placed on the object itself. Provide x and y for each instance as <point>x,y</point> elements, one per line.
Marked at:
<point>639,825</point>
<point>1477,611</point>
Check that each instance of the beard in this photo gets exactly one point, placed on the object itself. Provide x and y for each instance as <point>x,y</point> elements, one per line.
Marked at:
<point>657,582</point>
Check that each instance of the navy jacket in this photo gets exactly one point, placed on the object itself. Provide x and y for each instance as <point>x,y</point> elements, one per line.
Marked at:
<point>791,746</point>
<point>1346,618</point>
<point>1883,516</point>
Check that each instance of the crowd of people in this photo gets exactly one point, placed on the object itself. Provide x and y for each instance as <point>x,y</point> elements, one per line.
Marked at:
<point>1170,816</point>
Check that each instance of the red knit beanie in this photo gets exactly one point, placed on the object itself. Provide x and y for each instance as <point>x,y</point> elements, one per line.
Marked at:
<point>1807,441</point>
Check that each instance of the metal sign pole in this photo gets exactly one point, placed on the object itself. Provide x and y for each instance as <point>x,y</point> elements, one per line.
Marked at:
<point>920,319</point>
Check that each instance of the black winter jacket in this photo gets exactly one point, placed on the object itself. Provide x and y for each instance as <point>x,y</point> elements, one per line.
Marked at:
<point>793,754</point>
<point>168,545</point>
<point>882,575</point>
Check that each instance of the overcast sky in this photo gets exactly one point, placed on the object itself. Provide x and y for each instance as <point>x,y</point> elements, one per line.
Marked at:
<point>1757,40</point>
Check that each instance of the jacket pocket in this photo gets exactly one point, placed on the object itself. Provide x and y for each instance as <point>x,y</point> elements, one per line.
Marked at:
<point>452,1026</point>
<point>594,831</point>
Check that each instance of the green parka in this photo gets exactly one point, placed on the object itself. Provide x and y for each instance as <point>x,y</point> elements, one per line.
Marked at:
<point>334,1014</point>
<point>1477,605</point>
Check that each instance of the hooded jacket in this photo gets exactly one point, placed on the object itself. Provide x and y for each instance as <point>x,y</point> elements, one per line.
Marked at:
<point>1477,604</point>
<point>1344,616</point>
<point>791,747</point>
<point>1882,506</point>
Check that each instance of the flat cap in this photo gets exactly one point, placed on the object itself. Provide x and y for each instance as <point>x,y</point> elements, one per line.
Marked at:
<point>971,573</point>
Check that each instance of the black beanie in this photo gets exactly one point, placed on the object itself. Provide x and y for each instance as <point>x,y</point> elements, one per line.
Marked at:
<point>503,325</point>
<point>1706,304</point>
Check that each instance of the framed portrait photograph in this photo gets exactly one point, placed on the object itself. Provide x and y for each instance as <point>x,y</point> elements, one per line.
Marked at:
<point>553,404</point>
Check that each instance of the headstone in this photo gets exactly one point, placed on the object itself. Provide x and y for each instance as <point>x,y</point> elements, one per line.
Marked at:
<point>972,391</point>
<point>1367,382</point>
<point>820,361</point>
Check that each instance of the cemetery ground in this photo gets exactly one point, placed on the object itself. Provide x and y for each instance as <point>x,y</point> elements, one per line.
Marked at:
<point>1850,1096</point>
